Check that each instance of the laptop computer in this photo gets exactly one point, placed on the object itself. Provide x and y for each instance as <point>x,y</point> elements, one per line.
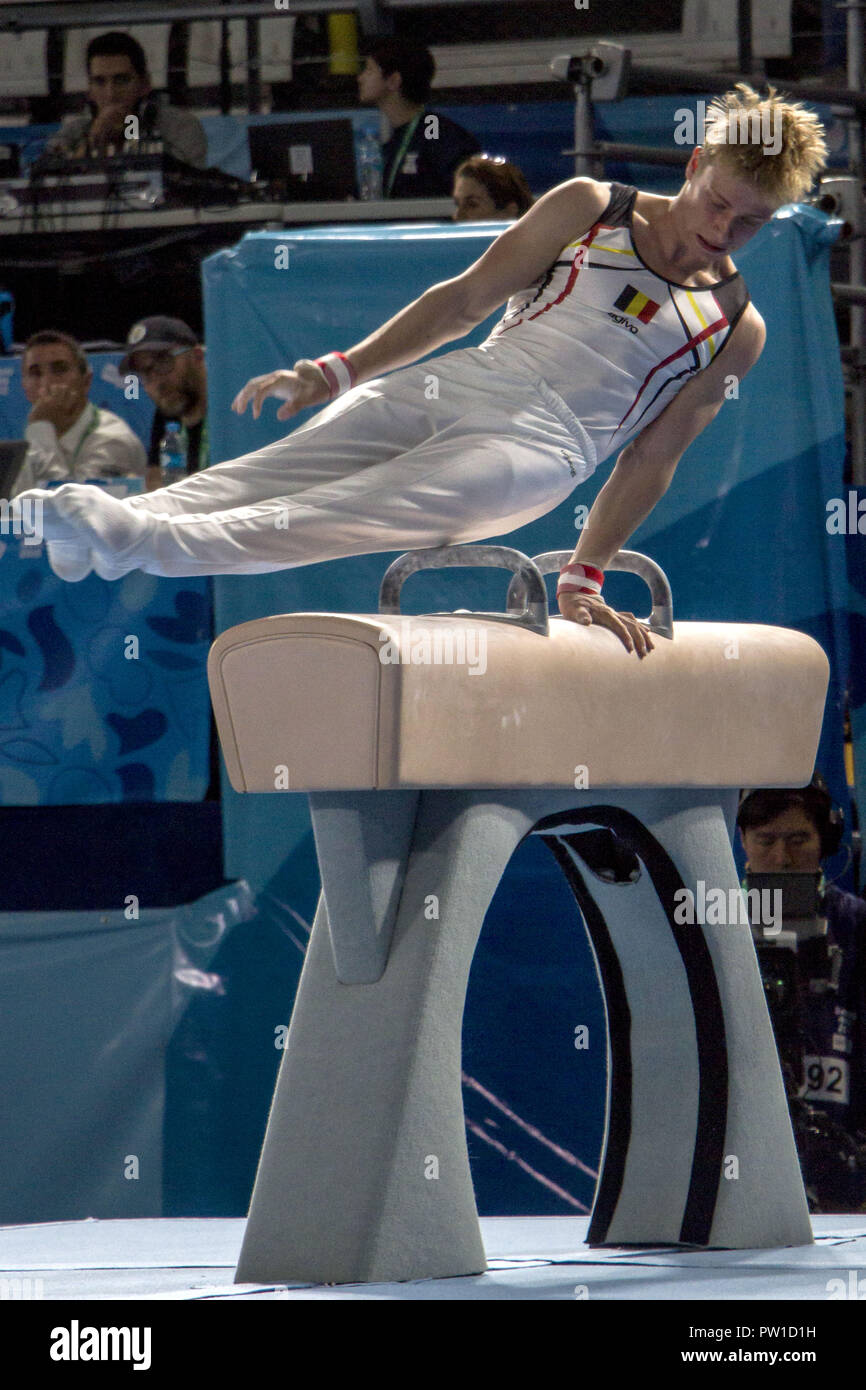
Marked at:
<point>12,455</point>
<point>313,160</point>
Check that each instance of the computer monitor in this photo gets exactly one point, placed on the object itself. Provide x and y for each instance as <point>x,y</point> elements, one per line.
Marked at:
<point>314,160</point>
<point>12,455</point>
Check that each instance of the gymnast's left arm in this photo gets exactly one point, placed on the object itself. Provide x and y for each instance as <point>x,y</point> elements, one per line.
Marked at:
<point>645,469</point>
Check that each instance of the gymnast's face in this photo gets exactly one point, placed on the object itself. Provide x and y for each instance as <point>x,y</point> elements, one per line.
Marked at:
<point>717,212</point>
<point>789,843</point>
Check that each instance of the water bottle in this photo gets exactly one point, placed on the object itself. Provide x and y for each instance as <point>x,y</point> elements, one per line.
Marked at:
<point>370,167</point>
<point>172,455</point>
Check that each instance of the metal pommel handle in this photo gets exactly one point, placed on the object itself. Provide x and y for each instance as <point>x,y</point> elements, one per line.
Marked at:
<point>527,596</point>
<point>660,620</point>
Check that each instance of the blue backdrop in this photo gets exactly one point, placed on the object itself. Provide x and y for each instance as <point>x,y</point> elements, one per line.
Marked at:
<point>741,534</point>
<point>102,689</point>
<point>87,716</point>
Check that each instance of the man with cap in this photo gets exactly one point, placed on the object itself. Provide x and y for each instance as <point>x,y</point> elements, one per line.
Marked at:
<point>169,360</point>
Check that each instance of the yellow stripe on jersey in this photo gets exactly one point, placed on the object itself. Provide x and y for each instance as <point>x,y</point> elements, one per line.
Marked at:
<point>711,341</point>
<point>614,250</point>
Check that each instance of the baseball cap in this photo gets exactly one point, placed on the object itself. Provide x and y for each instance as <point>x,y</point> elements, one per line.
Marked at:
<point>156,335</point>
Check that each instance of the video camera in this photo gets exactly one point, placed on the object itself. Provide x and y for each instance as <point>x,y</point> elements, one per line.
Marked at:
<point>797,960</point>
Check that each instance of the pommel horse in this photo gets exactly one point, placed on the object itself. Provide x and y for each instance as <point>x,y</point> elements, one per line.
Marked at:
<point>423,776</point>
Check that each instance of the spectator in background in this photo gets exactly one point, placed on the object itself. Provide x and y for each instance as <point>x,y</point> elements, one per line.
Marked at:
<point>791,831</point>
<point>118,86</point>
<point>425,147</point>
<point>70,439</point>
<point>167,356</point>
<point>487,187</point>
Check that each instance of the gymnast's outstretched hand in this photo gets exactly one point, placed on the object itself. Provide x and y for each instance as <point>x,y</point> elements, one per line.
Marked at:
<point>591,608</point>
<point>303,386</point>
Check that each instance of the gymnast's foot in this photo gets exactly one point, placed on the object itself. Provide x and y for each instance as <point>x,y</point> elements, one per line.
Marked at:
<point>69,560</point>
<point>85,527</point>
<point>113,566</point>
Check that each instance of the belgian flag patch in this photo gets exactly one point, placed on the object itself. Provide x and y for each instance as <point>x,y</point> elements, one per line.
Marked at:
<point>638,305</point>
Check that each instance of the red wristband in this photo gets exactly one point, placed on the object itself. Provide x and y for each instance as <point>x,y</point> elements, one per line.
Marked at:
<point>587,579</point>
<point>339,372</point>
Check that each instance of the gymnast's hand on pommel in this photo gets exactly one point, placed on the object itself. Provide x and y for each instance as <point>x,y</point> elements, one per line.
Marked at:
<point>590,608</point>
<point>303,386</point>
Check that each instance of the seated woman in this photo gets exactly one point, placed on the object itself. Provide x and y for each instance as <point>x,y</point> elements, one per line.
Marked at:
<point>487,188</point>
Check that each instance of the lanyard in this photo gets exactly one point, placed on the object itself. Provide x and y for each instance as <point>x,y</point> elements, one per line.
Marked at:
<point>94,421</point>
<point>410,131</point>
<point>203,442</point>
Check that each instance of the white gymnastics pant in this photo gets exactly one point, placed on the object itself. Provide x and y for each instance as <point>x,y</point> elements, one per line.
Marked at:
<point>382,468</point>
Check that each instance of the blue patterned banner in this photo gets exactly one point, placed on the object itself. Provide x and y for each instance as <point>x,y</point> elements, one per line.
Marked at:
<point>103,694</point>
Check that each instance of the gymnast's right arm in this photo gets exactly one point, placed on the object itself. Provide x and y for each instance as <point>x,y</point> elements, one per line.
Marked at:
<point>452,308</point>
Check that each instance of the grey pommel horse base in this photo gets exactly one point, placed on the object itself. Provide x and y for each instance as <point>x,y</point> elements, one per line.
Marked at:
<point>425,767</point>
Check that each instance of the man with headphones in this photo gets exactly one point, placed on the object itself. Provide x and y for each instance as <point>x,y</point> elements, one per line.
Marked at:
<point>118,86</point>
<point>786,831</point>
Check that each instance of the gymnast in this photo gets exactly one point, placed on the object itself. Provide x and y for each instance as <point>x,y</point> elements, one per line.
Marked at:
<point>625,321</point>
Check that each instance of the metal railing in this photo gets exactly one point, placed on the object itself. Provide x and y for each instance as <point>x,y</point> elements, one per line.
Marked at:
<point>79,14</point>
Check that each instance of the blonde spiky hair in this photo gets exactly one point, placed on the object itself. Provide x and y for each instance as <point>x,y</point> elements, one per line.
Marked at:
<point>776,145</point>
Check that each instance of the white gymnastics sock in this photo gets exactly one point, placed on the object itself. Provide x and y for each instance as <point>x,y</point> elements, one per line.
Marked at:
<point>110,566</point>
<point>90,518</point>
<point>48,524</point>
<point>69,560</point>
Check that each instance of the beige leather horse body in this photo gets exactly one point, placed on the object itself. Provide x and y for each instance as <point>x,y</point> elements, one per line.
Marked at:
<point>430,746</point>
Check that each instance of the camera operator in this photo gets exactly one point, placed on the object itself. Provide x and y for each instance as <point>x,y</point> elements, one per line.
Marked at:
<point>815,981</point>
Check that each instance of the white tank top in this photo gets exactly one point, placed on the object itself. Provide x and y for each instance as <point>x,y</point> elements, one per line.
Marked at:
<point>612,338</point>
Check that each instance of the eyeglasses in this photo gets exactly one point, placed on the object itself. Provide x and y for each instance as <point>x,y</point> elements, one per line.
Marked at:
<point>160,363</point>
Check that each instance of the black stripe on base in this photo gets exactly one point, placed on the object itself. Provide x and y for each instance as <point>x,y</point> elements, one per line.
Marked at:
<point>619,1035</point>
<point>712,1053</point>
